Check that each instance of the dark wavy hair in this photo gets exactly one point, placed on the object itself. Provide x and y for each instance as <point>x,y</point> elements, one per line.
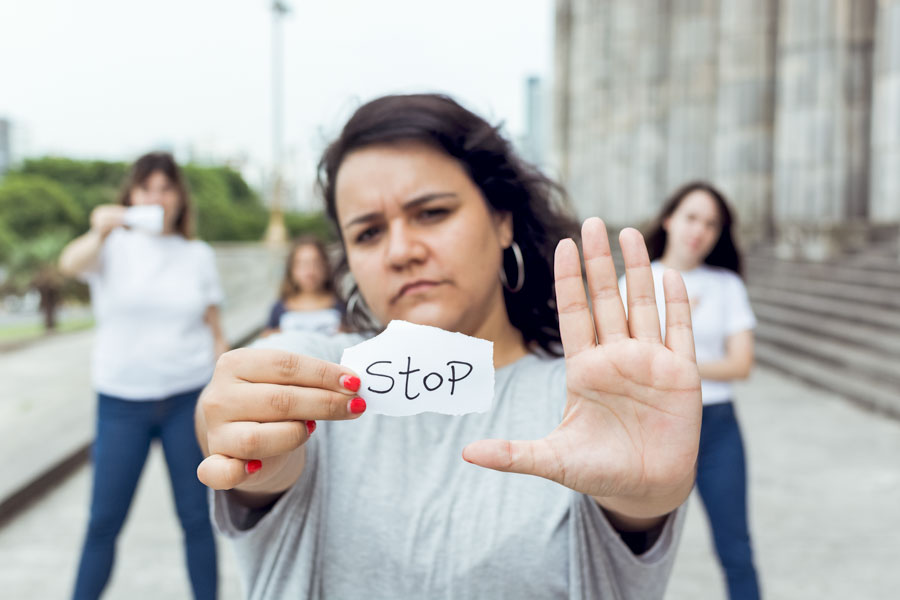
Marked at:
<point>508,183</point>
<point>724,254</point>
<point>165,163</point>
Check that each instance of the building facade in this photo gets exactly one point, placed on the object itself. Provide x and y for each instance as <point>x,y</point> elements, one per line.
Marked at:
<point>792,107</point>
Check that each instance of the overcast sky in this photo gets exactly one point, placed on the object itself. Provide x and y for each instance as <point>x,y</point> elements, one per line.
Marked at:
<point>114,78</point>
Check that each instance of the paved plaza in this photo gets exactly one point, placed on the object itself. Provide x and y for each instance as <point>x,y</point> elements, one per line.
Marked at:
<point>824,495</point>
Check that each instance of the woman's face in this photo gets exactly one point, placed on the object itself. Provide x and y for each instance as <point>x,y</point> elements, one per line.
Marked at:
<point>307,269</point>
<point>694,228</point>
<point>421,241</point>
<point>159,189</point>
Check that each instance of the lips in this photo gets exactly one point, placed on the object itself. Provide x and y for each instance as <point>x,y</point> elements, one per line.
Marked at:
<point>415,286</point>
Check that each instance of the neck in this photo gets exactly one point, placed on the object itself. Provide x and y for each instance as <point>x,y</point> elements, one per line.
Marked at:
<point>508,343</point>
<point>671,261</point>
<point>313,294</point>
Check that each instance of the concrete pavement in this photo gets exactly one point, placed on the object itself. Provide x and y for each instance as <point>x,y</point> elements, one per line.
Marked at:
<point>825,492</point>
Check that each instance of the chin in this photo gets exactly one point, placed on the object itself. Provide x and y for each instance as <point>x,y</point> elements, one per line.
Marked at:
<point>427,313</point>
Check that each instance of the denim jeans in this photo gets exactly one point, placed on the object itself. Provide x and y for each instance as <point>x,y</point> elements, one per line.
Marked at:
<point>125,429</point>
<point>722,483</point>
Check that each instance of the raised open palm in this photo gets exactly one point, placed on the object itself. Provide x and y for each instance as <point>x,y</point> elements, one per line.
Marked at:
<point>632,421</point>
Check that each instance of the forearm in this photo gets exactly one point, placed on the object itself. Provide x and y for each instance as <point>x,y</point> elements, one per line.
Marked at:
<point>726,369</point>
<point>214,322</point>
<point>81,253</point>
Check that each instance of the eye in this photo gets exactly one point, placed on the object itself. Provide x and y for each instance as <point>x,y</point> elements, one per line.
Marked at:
<point>367,234</point>
<point>433,214</point>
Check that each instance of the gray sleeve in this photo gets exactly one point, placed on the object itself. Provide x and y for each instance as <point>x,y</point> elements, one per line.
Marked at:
<point>604,567</point>
<point>270,544</point>
<point>233,519</point>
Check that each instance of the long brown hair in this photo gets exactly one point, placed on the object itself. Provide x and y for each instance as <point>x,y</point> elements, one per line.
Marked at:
<point>724,254</point>
<point>290,287</point>
<point>163,162</point>
<point>508,184</point>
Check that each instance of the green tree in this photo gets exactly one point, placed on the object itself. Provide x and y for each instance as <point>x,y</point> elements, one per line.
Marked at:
<point>315,223</point>
<point>47,201</point>
<point>32,205</point>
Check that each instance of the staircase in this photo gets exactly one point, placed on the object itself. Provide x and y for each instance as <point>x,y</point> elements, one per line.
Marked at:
<point>835,325</point>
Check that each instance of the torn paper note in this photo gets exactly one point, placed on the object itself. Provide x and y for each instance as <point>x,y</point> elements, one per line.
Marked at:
<point>409,369</point>
<point>146,217</point>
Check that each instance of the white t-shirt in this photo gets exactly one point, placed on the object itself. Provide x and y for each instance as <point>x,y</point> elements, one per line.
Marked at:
<point>149,295</point>
<point>720,308</point>
<point>326,320</point>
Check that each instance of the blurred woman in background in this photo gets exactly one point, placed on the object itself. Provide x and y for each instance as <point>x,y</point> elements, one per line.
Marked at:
<point>693,235</point>
<point>155,294</point>
<point>307,299</point>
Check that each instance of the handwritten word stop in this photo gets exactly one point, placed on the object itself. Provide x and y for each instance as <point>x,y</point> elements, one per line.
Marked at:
<point>410,369</point>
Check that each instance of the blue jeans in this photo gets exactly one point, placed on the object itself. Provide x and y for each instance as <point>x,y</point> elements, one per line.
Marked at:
<point>722,483</point>
<point>125,429</point>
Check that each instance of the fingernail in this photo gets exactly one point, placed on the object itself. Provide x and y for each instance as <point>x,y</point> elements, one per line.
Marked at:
<point>310,426</point>
<point>357,405</point>
<point>350,382</point>
<point>253,466</point>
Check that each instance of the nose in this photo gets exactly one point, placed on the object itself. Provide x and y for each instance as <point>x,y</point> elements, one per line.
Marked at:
<point>404,249</point>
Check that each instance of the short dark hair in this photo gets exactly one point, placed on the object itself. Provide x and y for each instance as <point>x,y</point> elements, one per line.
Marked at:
<point>165,163</point>
<point>724,254</point>
<point>508,183</point>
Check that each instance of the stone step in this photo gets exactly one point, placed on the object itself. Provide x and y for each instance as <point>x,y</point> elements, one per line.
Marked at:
<point>818,272</point>
<point>868,361</point>
<point>857,334</point>
<point>874,262</point>
<point>847,310</point>
<point>869,296</point>
<point>848,383</point>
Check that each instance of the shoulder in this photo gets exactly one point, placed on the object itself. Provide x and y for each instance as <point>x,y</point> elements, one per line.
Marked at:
<point>657,268</point>
<point>539,367</point>
<point>200,247</point>
<point>309,343</point>
<point>200,252</point>
<point>723,276</point>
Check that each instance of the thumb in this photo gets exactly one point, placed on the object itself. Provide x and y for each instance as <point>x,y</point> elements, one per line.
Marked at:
<point>224,473</point>
<point>526,457</point>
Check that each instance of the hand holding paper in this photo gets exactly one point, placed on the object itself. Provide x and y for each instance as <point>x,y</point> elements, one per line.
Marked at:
<point>632,421</point>
<point>146,217</point>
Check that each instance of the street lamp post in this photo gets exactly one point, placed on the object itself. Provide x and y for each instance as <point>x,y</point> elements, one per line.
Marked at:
<point>276,233</point>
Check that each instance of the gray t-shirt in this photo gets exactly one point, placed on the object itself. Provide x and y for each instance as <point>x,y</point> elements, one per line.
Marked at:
<point>387,508</point>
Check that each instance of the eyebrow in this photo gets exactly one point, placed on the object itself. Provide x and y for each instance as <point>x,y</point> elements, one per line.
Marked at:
<point>406,206</point>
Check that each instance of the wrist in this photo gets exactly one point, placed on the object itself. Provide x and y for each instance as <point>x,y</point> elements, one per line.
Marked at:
<point>643,512</point>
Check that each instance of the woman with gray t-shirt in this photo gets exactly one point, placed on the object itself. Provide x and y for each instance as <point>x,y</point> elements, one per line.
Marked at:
<point>442,224</point>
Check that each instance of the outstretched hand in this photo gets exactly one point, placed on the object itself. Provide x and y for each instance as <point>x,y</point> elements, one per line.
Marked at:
<point>631,426</point>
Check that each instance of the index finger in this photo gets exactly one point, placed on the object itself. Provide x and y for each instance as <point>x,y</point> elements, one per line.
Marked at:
<point>268,365</point>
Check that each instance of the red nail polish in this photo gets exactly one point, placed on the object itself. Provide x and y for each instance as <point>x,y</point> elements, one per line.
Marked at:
<point>253,466</point>
<point>310,426</point>
<point>357,405</point>
<point>351,383</point>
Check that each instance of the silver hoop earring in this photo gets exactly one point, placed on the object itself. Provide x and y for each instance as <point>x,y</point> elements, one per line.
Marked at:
<point>352,301</point>
<point>520,268</point>
<point>357,312</point>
